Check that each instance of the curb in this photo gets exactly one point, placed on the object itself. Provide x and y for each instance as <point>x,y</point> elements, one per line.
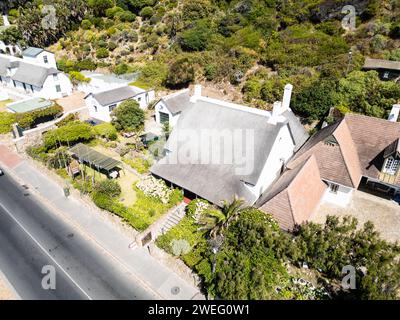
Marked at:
<point>83,232</point>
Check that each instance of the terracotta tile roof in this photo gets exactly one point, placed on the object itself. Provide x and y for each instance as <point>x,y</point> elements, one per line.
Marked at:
<point>336,155</point>
<point>371,137</point>
<point>295,196</point>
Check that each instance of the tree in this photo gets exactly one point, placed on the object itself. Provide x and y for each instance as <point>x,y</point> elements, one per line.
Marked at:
<point>108,187</point>
<point>102,53</point>
<point>365,93</point>
<point>218,221</point>
<point>128,116</point>
<point>99,7</point>
<point>314,101</point>
<point>246,265</point>
<point>196,39</point>
<point>181,73</point>
<point>76,77</point>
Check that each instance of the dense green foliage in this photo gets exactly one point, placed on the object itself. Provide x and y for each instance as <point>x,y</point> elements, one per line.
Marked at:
<point>128,116</point>
<point>111,188</point>
<point>106,130</point>
<point>69,134</point>
<point>256,45</point>
<point>250,261</point>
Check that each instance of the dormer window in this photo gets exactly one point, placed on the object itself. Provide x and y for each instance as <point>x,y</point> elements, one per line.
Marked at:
<point>45,59</point>
<point>391,166</point>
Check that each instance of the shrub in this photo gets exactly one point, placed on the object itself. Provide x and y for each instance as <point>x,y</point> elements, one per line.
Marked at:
<point>102,53</point>
<point>85,64</point>
<point>109,187</point>
<point>126,16</point>
<point>112,46</point>
<point>76,77</point>
<point>181,73</point>
<point>146,12</point>
<point>6,121</point>
<point>196,39</point>
<point>86,24</point>
<point>121,68</point>
<point>106,130</point>
<point>111,12</point>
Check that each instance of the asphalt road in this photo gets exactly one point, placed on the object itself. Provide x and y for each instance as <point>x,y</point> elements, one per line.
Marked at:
<point>31,238</point>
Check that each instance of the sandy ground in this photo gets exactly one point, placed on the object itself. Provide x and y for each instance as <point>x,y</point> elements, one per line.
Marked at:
<point>383,213</point>
<point>5,291</point>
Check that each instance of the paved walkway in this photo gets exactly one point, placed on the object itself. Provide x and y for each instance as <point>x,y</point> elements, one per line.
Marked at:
<point>384,214</point>
<point>139,262</point>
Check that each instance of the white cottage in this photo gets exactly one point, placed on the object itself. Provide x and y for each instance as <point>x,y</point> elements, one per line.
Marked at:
<point>34,78</point>
<point>101,104</point>
<point>219,149</point>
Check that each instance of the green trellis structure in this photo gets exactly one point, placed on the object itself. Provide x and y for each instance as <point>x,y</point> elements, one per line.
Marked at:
<point>94,159</point>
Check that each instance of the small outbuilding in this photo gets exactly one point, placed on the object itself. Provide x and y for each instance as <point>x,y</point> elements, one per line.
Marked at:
<point>388,70</point>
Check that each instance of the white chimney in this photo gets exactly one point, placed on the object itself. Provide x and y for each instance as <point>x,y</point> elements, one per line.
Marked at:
<point>196,93</point>
<point>287,96</point>
<point>394,113</point>
<point>276,110</point>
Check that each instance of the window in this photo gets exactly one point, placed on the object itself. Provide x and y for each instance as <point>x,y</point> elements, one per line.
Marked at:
<point>46,61</point>
<point>55,77</point>
<point>386,75</point>
<point>333,188</point>
<point>58,88</point>
<point>95,108</point>
<point>391,166</point>
<point>164,117</point>
<point>112,107</point>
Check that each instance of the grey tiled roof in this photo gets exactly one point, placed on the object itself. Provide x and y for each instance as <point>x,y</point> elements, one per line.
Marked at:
<point>299,134</point>
<point>32,74</point>
<point>115,95</point>
<point>218,182</point>
<point>178,102</point>
<point>32,52</point>
<point>4,64</point>
<point>381,64</point>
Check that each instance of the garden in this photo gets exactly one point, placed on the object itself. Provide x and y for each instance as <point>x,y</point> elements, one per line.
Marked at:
<point>241,253</point>
<point>135,196</point>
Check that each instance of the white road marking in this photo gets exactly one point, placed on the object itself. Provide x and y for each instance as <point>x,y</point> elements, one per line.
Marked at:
<point>45,251</point>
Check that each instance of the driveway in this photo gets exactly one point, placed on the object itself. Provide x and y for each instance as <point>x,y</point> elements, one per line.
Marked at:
<point>383,213</point>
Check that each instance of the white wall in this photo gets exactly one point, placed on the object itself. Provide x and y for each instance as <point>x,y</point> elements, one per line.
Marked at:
<point>283,148</point>
<point>49,87</point>
<point>161,107</point>
<point>103,112</point>
<point>39,59</point>
<point>342,198</point>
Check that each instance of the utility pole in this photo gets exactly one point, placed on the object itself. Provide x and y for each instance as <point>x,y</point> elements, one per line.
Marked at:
<point>349,62</point>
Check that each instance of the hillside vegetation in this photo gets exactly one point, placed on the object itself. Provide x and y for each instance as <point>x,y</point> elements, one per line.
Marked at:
<point>252,46</point>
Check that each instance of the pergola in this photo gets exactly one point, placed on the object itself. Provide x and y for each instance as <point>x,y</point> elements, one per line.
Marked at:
<point>94,158</point>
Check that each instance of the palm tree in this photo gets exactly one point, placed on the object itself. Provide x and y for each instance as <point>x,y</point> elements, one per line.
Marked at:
<point>217,221</point>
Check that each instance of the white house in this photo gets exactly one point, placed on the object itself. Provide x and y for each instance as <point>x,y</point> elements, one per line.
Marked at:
<point>169,108</point>
<point>34,78</point>
<point>40,57</point>
<point>219,149</point>
<point>101,104</point>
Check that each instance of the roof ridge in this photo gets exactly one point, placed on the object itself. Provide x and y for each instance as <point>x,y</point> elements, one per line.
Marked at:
<point>343,156</point>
